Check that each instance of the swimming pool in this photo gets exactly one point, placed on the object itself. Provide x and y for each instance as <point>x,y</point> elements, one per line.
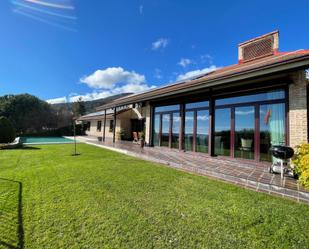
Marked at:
<point>46,140</point>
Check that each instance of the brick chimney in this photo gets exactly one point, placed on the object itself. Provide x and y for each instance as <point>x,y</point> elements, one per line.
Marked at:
<point>258,47</point>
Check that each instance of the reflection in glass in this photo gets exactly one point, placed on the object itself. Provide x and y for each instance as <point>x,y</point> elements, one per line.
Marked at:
<point>197,105</point>
<point>165,130</point>
<point>222,131</point>
<point>156,130</point>
<point>175,130</point>
<point>202,131</point>
<point>244,132</point>
<point>167,108</point>
<point>189,123</point>
<point>272,129</point>
<point>271,95</point>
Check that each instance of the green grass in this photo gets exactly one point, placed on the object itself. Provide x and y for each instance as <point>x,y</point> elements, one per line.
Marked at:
<point>102,199</point>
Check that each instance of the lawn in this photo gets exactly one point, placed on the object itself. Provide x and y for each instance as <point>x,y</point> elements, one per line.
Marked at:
<point>102,199</point>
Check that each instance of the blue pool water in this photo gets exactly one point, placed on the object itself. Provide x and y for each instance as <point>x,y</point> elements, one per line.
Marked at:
<point>46,140</point>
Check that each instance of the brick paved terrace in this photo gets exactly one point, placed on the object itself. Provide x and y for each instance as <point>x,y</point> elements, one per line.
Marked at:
<point>247,174</point>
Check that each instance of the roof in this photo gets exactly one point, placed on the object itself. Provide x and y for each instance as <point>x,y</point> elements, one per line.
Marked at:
<point>100,114</point>
<point>280,61</point>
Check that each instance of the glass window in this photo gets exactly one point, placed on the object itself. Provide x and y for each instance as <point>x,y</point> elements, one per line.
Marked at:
<point>222,131</point>
<point>244,132</point>
<point>271,95</point>
<point>99,125</point>
<point>165,130</point>
<point>202,131</point>
<point>272,129</point>
<point>197,105</point>
<point>111,125</point>
<point>175,130</point>
<point>156,130</point>
<point>167,108</point>
<point>88,126</point>
<point>189,123</point>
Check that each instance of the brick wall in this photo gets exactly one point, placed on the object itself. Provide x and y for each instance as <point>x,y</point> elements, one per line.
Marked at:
<point>298,109</point>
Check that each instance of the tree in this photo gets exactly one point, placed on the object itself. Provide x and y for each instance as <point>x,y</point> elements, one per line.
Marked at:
<point>27,113</point>
<point>7,131</point>
<point>79,108</point>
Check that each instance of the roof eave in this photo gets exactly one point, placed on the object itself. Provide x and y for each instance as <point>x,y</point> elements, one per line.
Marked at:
<point>295,63</point>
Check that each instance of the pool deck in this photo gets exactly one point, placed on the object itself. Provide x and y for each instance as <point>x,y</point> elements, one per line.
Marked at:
<point>245,173</point>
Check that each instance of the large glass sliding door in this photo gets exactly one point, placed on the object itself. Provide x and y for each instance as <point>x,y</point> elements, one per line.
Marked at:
<point>165,134</point>
<point>156,130</point>
<point>202,131</point>
<point>223,131</point>
<point>189,130</point>
<point>197,126</point>
<point>272,128</point>
<point>244,132</point>
<point>175,130</point>
<point>166,127</point>
<point>245,126</point>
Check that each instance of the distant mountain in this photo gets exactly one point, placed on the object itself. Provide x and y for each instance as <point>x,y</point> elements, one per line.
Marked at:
<point>90,105</point>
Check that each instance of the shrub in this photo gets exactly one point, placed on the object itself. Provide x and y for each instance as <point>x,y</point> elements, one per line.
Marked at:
<point>301,162</point>
<point>7,131</point>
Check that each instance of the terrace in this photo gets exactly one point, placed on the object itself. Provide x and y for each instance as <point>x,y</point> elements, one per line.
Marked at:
<point>246,173</point>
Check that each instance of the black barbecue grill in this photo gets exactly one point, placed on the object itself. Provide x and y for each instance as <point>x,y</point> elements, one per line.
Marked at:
<point>283,153</point>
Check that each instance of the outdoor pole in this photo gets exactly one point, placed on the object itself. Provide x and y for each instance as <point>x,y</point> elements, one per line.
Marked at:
<point>74,138</point>
<point>114,128</point>
<point>104,125</point>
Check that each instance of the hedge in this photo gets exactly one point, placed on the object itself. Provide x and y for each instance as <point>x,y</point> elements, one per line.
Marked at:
<point>301,162</point>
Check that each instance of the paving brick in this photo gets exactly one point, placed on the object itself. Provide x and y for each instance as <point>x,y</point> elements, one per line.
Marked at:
<point>246,174</point>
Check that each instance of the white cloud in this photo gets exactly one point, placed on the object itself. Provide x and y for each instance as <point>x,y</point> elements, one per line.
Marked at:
<point>57,100</point>
<point>160,43</point>
<point>193,73</point>
<point>141,9</point>
<point>157,74</point>
<point>202,117</point>
<point>185,62</point>
<point>109,77</point>
<point>109,82</point>
<point>128,88</point>
<point>206,58</point>
<point>244,113</point>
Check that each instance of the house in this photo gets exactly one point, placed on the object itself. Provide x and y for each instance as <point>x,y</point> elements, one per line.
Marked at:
<point>237,111</point>
<point>101,124</point>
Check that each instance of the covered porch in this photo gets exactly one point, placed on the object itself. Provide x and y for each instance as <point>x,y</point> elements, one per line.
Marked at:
<point>248,174</point>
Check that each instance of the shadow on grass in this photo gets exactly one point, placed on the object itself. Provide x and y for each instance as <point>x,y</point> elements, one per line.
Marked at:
<point>22,148</point>
<point>75,154</point>
<point>11,214</point>
<point>28,148</point>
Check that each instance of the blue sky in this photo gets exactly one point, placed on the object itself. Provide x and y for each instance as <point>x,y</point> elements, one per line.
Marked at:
<point>63,48</point>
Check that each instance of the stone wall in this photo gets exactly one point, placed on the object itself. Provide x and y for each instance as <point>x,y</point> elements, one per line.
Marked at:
<point>147,116</point>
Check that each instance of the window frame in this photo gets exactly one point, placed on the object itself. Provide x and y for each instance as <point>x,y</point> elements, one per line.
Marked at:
<point>212,107</point>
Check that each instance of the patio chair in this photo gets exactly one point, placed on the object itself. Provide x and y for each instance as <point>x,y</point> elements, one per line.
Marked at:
<point>135,137</point>
<point>246,144</point>
<point>17,143</point>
